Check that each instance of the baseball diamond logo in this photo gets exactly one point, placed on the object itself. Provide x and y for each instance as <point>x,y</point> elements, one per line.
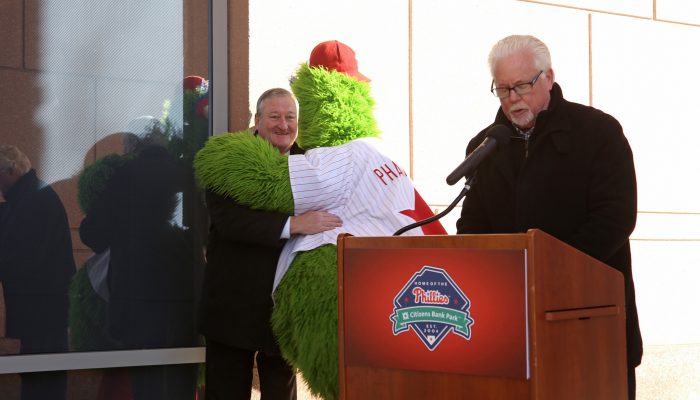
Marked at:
<point>432,305</point>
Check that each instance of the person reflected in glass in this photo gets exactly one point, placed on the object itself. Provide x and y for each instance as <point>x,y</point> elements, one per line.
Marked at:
<point>150,273</point>
<point>36,266</point>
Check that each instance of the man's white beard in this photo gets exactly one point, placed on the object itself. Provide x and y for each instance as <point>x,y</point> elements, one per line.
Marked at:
<point>524,121</point>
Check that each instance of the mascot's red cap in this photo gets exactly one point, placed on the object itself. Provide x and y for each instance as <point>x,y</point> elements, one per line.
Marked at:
<point>192,82</point>
<point>334,55</point>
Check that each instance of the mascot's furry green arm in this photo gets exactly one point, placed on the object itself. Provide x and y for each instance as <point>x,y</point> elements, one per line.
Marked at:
<point>255,173</point>
<point>334,110</point>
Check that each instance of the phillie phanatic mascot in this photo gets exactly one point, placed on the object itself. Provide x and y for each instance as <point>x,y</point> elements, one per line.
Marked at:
<point>341,172</point>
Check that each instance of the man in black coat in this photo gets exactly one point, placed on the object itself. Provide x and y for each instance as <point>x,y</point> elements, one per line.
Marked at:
<point>36,265</point>
<point>242,252</point>
<point>567,170</point>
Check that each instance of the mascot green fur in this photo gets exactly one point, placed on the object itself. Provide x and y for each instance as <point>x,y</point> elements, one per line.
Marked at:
<point>335,111</point>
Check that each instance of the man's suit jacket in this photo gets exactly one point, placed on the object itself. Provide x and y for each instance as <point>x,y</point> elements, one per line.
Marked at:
<point>242,252</point>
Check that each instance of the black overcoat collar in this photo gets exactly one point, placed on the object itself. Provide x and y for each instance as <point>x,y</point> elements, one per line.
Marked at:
<point>552,124</point>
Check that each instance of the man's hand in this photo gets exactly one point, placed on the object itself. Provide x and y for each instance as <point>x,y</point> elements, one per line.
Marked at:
<point>313,222</point>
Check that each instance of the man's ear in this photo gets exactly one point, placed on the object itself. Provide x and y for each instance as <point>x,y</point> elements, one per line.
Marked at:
<point>550,76</point>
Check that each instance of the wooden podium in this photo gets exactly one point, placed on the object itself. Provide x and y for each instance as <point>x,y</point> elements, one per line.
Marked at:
<point>512,316</point>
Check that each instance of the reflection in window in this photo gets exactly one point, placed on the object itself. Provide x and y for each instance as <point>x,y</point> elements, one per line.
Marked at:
<point>107,254</point>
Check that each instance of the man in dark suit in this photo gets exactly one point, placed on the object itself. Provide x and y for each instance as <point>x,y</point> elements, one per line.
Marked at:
<point>567,170</point>
<point>242,252</point>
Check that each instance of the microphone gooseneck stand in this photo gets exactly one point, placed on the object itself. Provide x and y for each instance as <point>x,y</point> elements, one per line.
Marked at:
<point>467,186</point>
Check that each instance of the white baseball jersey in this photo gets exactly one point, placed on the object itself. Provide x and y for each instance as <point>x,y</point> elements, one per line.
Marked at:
<point>359,184</point>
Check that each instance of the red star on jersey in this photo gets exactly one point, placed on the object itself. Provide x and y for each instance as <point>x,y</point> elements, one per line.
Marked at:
<point>421,212</point>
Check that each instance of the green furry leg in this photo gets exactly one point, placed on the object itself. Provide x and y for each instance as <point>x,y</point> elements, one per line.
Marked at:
<point>305,319</point>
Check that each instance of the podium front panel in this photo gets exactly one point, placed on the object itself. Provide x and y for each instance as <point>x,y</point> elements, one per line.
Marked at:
<point>449,310</point>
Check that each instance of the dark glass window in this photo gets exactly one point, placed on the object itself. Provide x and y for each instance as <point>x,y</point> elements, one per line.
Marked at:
<point>102,231</point>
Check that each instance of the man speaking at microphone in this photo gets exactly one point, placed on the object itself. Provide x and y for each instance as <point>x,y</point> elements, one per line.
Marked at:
<point>567,170</point>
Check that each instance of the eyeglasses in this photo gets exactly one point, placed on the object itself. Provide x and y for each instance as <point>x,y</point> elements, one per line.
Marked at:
<point>521,88</point>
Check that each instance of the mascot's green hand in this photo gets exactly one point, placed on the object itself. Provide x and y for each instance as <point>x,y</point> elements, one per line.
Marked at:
<point>248,169</point>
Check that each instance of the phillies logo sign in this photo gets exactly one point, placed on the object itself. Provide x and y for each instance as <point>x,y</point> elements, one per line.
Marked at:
<point>432,305</point>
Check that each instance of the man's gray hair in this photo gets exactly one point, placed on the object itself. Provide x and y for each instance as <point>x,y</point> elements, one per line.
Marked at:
<point>274,92</point>
<point>11,158</point>
<point>514,43</point>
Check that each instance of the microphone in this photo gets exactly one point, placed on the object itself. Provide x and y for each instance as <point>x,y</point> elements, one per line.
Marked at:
<point>497,136</point>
